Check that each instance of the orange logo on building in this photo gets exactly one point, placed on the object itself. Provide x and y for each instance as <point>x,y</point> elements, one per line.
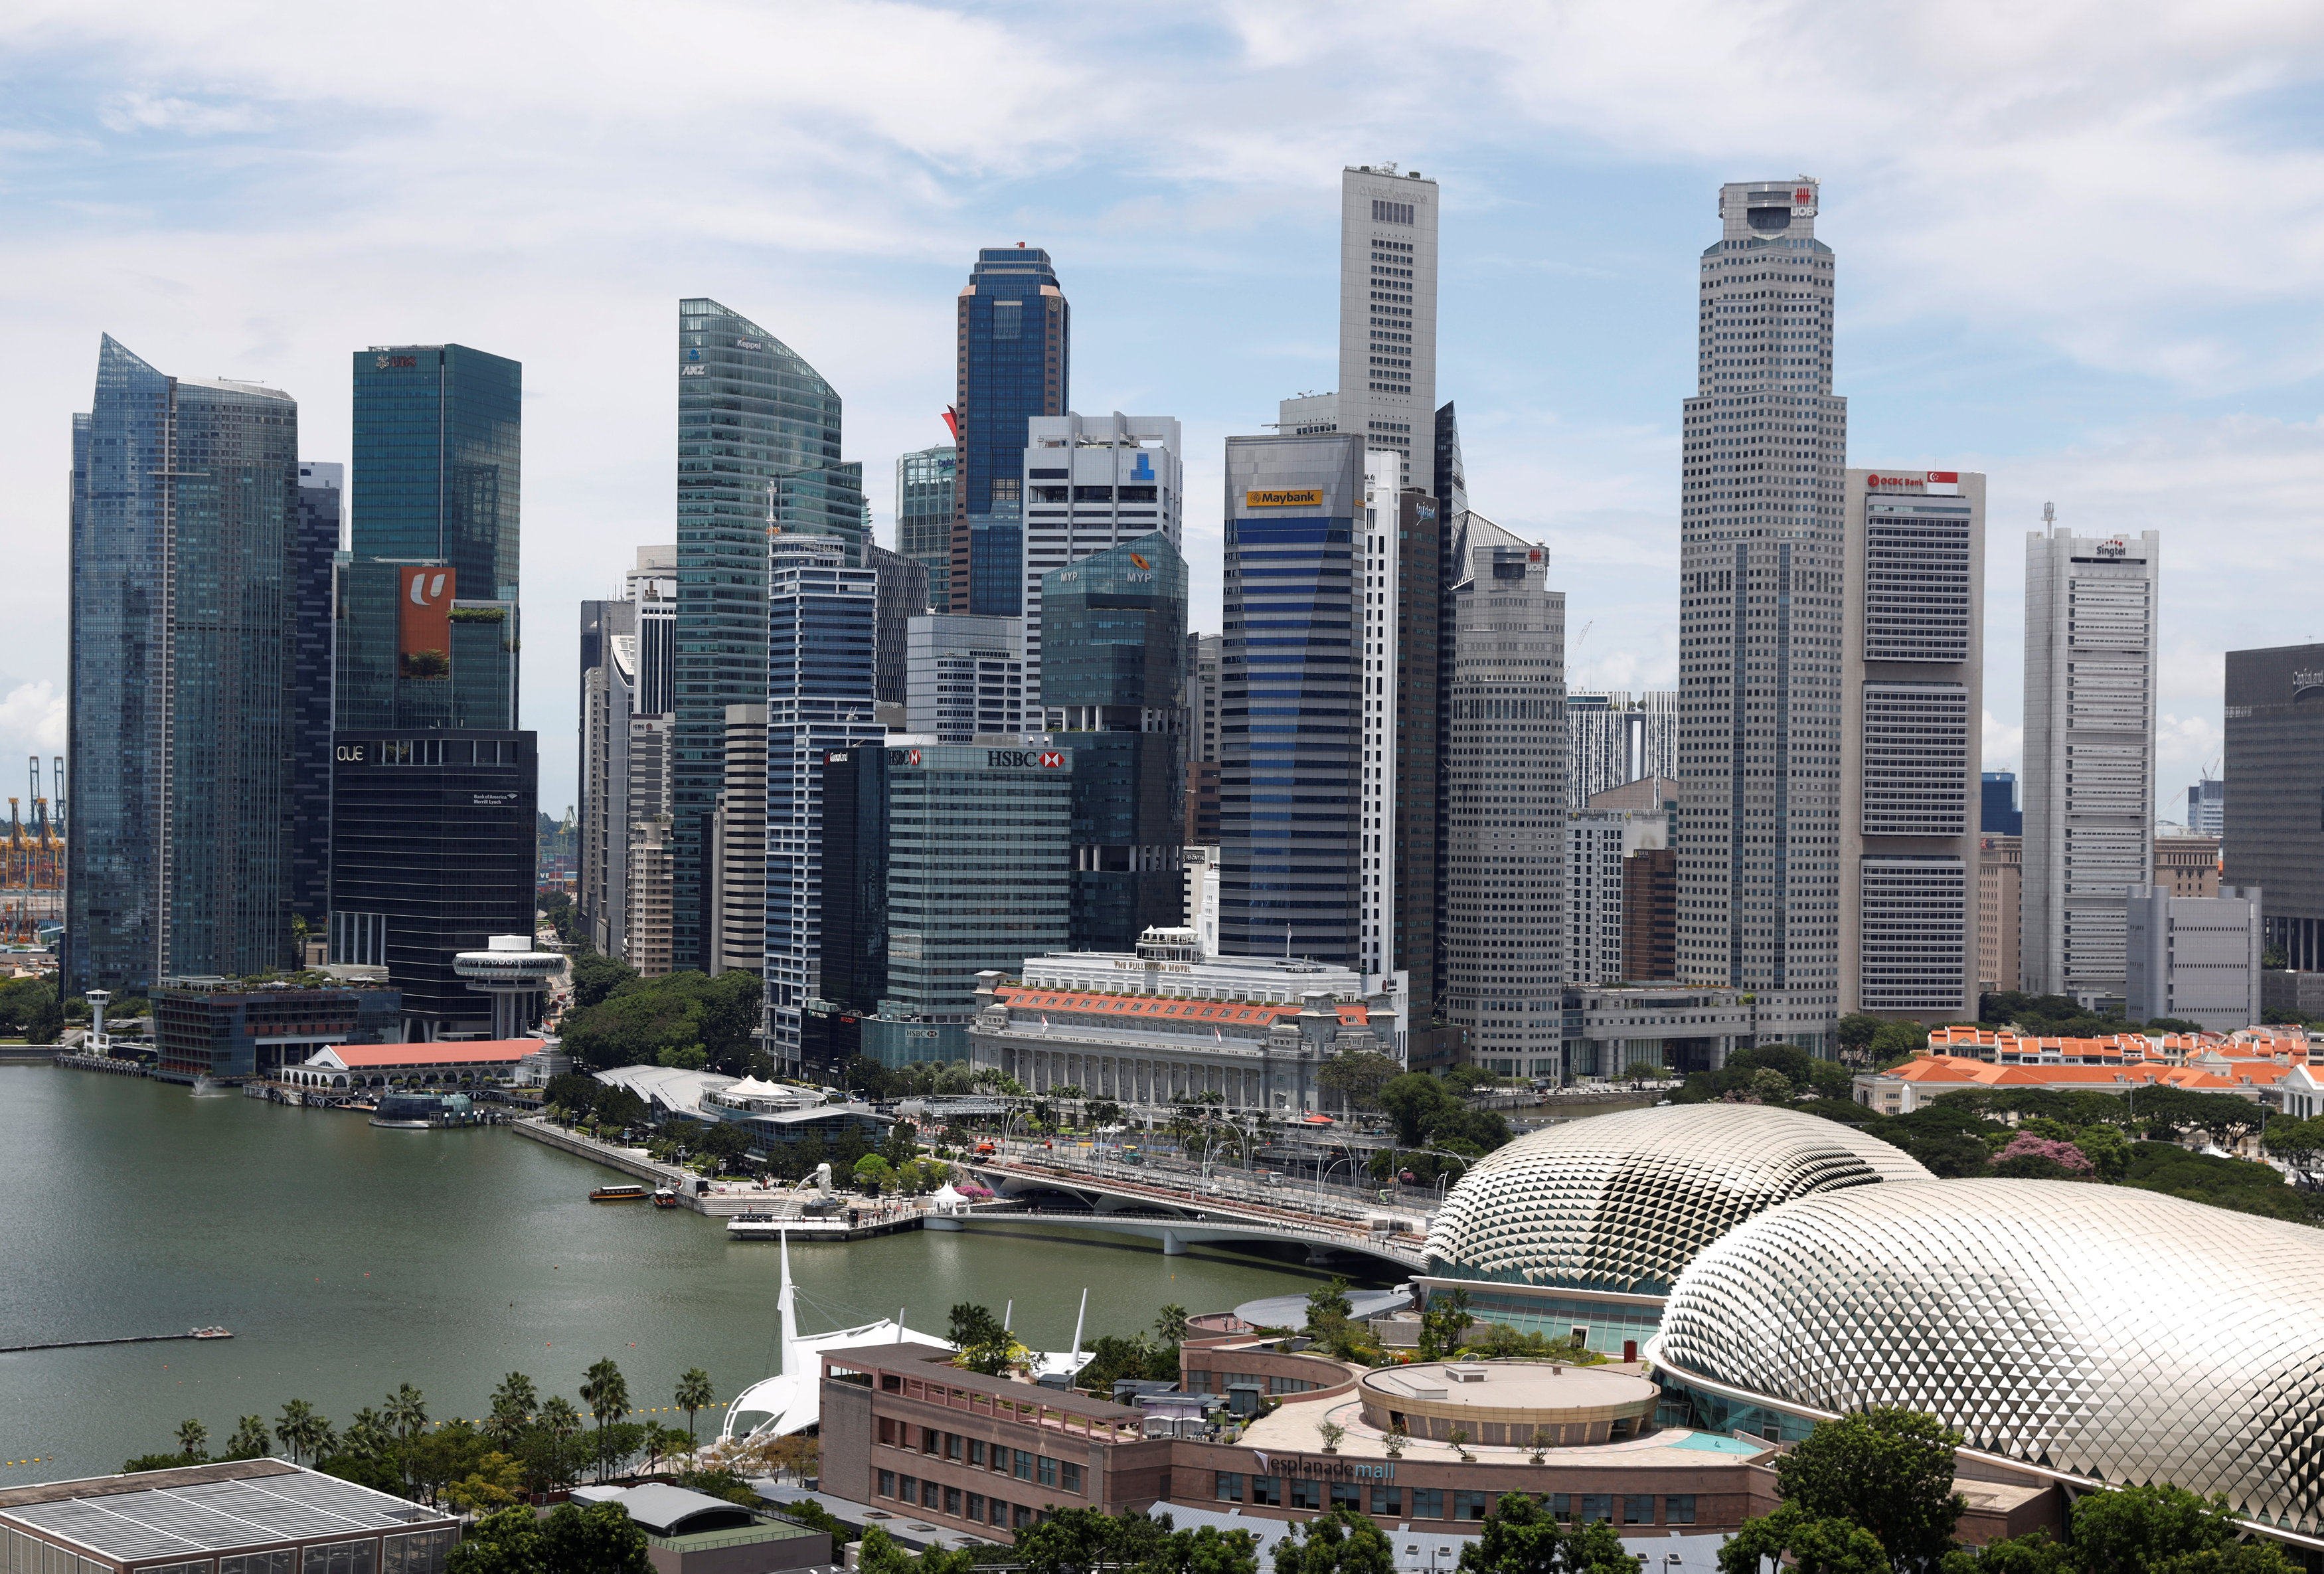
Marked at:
<point>423,623</point>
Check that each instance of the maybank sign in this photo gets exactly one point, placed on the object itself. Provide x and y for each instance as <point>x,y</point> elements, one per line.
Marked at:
<point>1309,497</point>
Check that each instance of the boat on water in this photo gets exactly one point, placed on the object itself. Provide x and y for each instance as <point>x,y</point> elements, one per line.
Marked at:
<point>210,1333</point>
<point>664,1196</point>
<point>620,1194</point>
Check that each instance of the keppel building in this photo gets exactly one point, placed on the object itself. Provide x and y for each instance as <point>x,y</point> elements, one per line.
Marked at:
<point>1913,697</point>
<point>1290,770</point>
<point>1761,589</point>
<point>758,439</point>
<point>2274,817</point>
<point>1014,363</point>
<point>2089,754</point>
<point>185,684</point>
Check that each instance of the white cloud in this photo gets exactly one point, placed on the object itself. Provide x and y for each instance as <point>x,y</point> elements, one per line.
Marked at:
<point>31,721</point>
<point>2004,744</point>
<point>131,112</point>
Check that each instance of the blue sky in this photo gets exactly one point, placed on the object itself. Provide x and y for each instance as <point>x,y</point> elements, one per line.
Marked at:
<point>2080,247</point>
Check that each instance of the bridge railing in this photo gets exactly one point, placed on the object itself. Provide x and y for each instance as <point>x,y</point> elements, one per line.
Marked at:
<point>1358,1210</point>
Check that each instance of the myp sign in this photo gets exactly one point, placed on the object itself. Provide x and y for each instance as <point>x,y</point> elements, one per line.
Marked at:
<point>1144,471</point>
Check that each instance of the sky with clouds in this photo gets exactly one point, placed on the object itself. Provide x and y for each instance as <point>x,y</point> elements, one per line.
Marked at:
<point>2080,248</point>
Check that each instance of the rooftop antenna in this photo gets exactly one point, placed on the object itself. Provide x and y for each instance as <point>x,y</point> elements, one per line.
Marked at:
<point>2049,515</point>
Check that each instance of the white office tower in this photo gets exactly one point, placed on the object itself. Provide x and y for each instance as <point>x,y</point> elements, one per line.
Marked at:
<point>738,847</point>
<point>609,688</point>
<point>2193,958</point>
<point>1618,736</point>
<point>1759,831</point>
<point>1202,701</point>
<point>1503,941</point>
<point>822,623</point>
<point>964,678</point>
<point>1597,840</point>
<point>1202,897</point>
<point>646,894</point>
<point>1376,568</point>
<point>1912,708</point>
<point>1387,322</point>
<point>2089,778</point>
<point>1092,482</point>
<point>651,587</point>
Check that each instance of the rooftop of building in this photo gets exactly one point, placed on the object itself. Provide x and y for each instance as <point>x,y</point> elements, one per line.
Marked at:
<point>198,1511</point>
<point>1298,1428</point>
<point>931,1364</point>
<point>1544,1386</point>
<point>1177,1008</point>
<point>443,1052</point>
<point>2223,1075</point>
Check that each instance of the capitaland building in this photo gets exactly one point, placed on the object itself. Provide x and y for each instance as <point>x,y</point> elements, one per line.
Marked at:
<point>1167,1024</point>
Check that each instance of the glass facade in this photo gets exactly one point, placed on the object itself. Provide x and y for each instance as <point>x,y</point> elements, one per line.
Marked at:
<point>1115,690</point>
<point>750,411</point>
<point>183,514</point>
<point>437,444</point>
<point>1014,335</point>
<point>923,504</point>
<point>903,596</point>
<point>979,871</point>
<point>313,579</point>
<point>1290,722</point>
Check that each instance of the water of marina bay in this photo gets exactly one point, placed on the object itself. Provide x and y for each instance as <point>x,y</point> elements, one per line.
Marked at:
<point>348,1258</point>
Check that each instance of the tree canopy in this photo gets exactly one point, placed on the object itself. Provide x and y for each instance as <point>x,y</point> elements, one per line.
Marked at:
<point>664,1021</point>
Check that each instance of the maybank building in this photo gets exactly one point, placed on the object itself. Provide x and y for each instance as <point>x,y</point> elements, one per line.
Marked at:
<point>1290,735</point>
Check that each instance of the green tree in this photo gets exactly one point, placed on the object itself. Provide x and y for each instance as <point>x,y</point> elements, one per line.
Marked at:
<point>2139,1529</point>
<point>1339,1542</point>
<point>2106,1149</point>
<point>1170,1324</point>
<point>406,1413</point>
<point>596,978</point>
<point>1328,1302</point>
<point>301,1431</point>
<point>693,1395</point>
<point>1078,1540</point>
<point>1443,1322</point>
<point>1522,1537</point>
<point>606,1393</point>
<point>249,1440</point>
<point>1358,1076</point>
<point>1802,1542</point>
<point>873,1170</point>
<point>1855,1031</point>
<point>194,1441</point>
<point>971,1324</point>
<point>1205,1550</point>
<point>1888,1469</point>
<point>601,1539</point>
<point>512,1404</point>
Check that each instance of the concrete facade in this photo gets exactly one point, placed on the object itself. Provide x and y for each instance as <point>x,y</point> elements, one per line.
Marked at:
<point>2193,958</point>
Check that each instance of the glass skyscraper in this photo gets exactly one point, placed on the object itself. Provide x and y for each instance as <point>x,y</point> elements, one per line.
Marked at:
<point>1114,688</point>
<point>427,608</point>
<point>750,414</point>
<point>1014,334</point>
<point>183,519</point>
<point>313,582</point>
<point>923,504</point>
<point>1290,727</point>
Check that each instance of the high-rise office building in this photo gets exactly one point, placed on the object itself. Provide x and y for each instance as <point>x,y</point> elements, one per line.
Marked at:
<point>979,876</point>
<point>432,853</point>
<point>1387,322</point>
<point>1290,729</point>
<point>1090,483</point>
<point>1616,736</point>
<point>1014,362</point>
<point>1998,810</point>
<point>609,699</point>
<point>1602,928</point>
<point>428,607</point>
<point>185,533</point>
<point>2000,910</point>
<point>651,587</point>
<point>1759,620</point>
<point>738,849</point>
<point>2089,754</point>
<point>2206,808</point>
<point>1505,806</point>
<point>965,679</point>
<point>822,628</point>
<point>925,488</point>
<point>313,593</point>
<point>1379,614</point>
<point>853,969</point>
<point>903,596</point>
<point>1202,652</point>
<point>1911,702</point>
<point>751,413</point>
<point>2193,958</point>
<point>2274,821</point>
<point>1114,694</point>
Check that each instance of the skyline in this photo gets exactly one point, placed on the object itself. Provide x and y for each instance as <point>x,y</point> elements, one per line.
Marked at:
<point>245,204</point>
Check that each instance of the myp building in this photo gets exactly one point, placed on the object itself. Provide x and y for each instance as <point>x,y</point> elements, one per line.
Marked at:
<point>1291,719</point>
<point>1014,336</point>
<point>1114,692</point>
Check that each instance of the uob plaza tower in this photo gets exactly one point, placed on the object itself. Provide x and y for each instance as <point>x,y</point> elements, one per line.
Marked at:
<point>1760,534</point>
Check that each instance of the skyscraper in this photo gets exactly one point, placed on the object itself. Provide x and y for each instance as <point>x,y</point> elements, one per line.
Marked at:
<point>184,520</point>
<point>312,592</point>
<point>609,699</point>
<point>2089,754</point>
<point>1114,692</point>
<point>2273,821</point>
<point>750,413</point>
<point>1912,700</point>
<point>428,607</point>
<point>1616,736</point>
<point>1505,806</point>
<point>965,679</point>
<point>1290,772</point>
<point>737,850</point>
<point>822,622</point>
<point>1998,811</point>
<point>903,596</point>
<point>924,507</point>
<point>1092,482</point>
<point>1378,609</point>
<point>1387,322</point>
<point>1013,351</point>
<point>2206,808</point>
<point>1760,610</point>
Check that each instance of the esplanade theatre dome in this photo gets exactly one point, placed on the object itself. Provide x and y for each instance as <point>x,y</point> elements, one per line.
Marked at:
<point>2091,1331</point>
<point>1622,1202</point>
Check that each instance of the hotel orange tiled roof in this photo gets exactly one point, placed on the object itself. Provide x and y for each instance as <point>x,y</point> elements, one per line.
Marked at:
<point>1956,1069</point>
<point>1152,1006</point>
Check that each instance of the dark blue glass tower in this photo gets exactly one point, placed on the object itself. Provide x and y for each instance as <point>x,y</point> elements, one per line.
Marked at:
<point>750,414</point>
<point>1114,687</point>
<point>184,499</point>
<point>1290,715</point>
<point>1998,812</point>
<point>1013,340</point>
<point>314,572</point>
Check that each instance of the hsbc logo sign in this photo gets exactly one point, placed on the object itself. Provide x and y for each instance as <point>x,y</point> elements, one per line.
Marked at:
<point>1025,759</point>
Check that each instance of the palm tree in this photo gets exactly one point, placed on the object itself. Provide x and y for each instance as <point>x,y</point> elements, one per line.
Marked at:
<point>693,1393</point>
<point>406,1413</point>
<point>562,1422</point>
<point>303,1431</point>
<point>194,1441</point>
<point>249,1439</point>
<point>606,1393</point>
<point>1171,1324</point>
<point>513,1402</point>
<point>367,1434</point>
